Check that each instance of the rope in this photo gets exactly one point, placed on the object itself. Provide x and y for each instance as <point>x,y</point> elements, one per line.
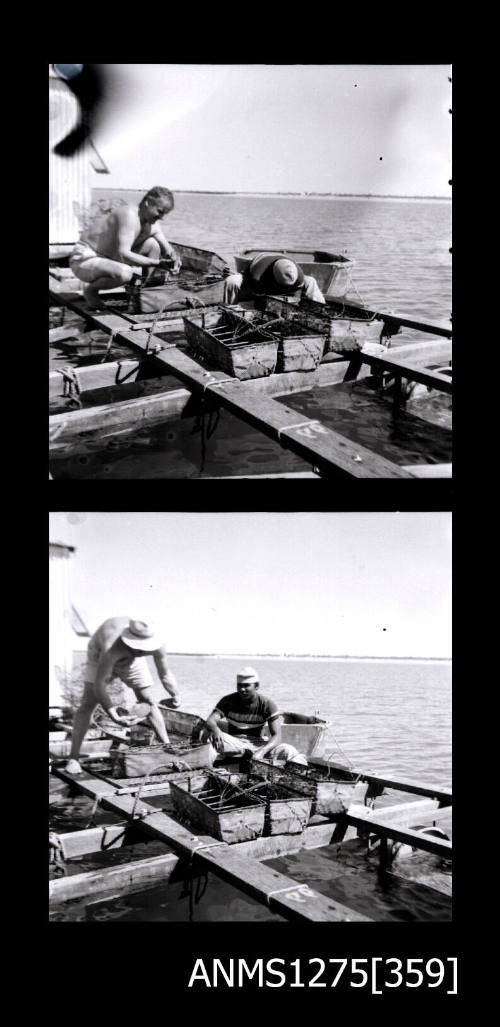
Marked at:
<point>91,822</point>
<point>71,388</point>
<point>154,770</point>
<point>56,858</point>
<point>213,382</point>
<point>108,347</point>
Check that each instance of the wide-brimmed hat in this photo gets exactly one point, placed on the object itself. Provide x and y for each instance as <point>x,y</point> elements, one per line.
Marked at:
<point>284,271</point>
<point>246,676</point>
<point>140,635</point>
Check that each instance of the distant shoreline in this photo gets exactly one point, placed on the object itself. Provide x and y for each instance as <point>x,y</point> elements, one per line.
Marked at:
<point>234,192</point>
<point>308,656</point>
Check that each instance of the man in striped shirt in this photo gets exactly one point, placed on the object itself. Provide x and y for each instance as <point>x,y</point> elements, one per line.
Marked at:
<point>246,713</point>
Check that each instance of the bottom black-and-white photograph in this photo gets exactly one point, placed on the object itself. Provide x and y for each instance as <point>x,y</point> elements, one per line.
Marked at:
<point>250,716</point>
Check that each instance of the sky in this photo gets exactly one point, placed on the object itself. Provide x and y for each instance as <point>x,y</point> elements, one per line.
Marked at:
<point>277,128</point>
<point>356,584</point>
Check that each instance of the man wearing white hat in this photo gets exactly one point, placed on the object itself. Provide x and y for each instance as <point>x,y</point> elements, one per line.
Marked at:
<point>246,713</point>
<point>273,274</point>
<point>118,649</point>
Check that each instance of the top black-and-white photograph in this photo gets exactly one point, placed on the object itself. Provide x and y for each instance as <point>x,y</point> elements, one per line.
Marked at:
<point>250,271</point>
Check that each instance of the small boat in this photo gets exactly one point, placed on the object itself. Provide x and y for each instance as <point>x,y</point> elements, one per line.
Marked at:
<point>231,819</point>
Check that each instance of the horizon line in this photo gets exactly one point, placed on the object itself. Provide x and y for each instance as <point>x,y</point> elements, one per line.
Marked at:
<point>313,656</point>
<point>279,192</point>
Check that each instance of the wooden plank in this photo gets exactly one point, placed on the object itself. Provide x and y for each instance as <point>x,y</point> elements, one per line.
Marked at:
<point>426,842</point>
<point>309,439</point>
<point>99,839</point>
<point>389,780</point>
<point>390,317</point>
<point>169,404</point>
<point>283,895</point>
<point>398,366</point>
<point>430,470</point>
<point>127,877</point>
<point>114,836</point>
<point>404,814</point>
<point>98,376</point>
<point>63,332</point>
<point>96,748</point>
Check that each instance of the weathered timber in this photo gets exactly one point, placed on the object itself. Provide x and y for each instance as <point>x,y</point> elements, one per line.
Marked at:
<point>100,376</point>
<point>404,814</point>
<point>388,780</point>
<point>426,842</point>
<point>127,877</point>
<point>351,309</point>
<point>430,470</point>
<point>99,839</point>
<point>398,366</point>
<point>96,748</point>
<point>308,438</point>
<point>114,836</point>
<point>283,895</point>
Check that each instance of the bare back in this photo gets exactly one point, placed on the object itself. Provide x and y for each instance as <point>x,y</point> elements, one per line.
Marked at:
<point>120,230</point>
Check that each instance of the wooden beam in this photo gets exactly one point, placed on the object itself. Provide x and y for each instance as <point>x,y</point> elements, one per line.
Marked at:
<point>430,470</point>
<point>100,376</point>
<point>283,895</point>
<point>404,814</point>
<point>169,404</point>
<point>350,309</point>
<point>127,877</point>
<point>115,836</point>
<point>426,842</point>
<point>389,780</point>
<point>96,748</point>
<point>398,366</point>
<point>99,839</point>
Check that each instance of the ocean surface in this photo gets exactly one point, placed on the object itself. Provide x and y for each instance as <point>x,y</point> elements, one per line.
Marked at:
<point>402,263</point>
<point>384,716</point>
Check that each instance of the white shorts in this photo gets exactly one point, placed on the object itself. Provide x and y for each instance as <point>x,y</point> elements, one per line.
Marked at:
<point>134,673</point>
<point>87,265</point>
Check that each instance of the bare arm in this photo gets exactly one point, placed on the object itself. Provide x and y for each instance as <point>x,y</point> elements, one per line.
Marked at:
<point>275,737</point>
<point>126,234</point>
<point>165,248</point>
<point>214,731</point>
<point>165,675</point>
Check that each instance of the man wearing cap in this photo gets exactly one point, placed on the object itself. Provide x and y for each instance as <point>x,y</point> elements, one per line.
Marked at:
<point>246,713</point>
<point>118,649</point>
<point>274,274</point>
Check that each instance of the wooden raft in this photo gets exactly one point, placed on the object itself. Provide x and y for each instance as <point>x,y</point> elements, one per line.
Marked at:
<point>310,439</point>
<point>281,894</point>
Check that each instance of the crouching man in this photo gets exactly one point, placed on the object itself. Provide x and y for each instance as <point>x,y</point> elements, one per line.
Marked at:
<point>119,648</point>
<point>247,712</point>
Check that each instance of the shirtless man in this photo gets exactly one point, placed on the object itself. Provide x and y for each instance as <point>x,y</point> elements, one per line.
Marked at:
<point>112,249</point>
<point>117,649</point>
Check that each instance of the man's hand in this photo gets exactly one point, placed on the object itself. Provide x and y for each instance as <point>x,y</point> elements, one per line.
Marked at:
<point>126,720</point>
<point>215,736</point>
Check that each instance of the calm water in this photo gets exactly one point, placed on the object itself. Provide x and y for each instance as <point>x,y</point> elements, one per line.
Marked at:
<point>385,716</point>
<point>402,263</point>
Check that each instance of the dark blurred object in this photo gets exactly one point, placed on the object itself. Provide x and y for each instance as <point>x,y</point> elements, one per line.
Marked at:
<point>86,82</point>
